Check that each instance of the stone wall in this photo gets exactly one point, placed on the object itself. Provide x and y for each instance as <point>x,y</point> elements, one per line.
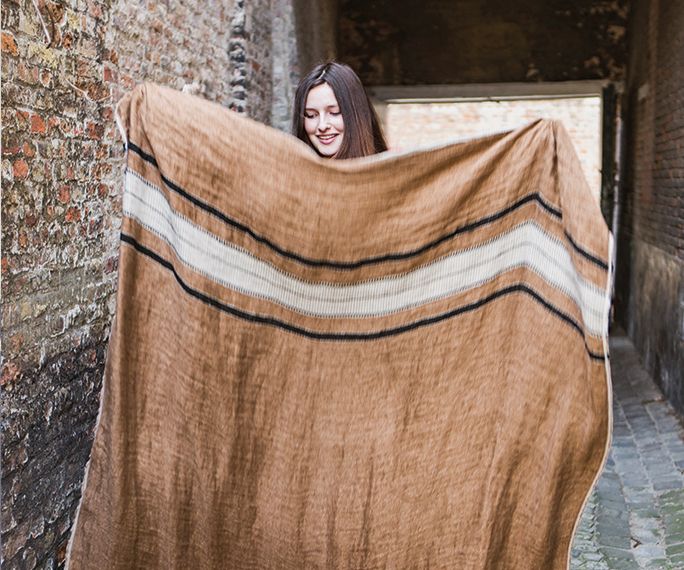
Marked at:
<point>650,278</point>
<point>397,42</point>
<point>62,162</point>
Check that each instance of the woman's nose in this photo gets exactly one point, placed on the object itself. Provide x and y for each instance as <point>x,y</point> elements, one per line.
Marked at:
<point>323,121</point>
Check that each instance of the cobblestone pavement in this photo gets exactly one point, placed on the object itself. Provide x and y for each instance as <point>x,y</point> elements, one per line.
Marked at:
<point>635,515</point>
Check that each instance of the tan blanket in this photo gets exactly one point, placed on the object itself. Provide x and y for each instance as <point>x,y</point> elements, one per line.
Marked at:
<point>390,362</point>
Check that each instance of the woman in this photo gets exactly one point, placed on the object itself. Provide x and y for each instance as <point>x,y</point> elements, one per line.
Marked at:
<point>333,114</point>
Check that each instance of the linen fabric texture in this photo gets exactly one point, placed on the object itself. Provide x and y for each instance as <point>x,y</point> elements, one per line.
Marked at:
<point>397,361</point>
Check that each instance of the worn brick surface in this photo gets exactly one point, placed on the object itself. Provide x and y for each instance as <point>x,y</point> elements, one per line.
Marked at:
<point>650,269</point>
<point>47,434</point>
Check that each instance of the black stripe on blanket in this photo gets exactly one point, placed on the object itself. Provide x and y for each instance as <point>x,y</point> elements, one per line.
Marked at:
<point>518,288</point>
<point>536,197</point>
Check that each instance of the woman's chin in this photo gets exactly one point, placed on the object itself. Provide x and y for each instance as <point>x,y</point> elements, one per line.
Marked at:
<point>327,151</point>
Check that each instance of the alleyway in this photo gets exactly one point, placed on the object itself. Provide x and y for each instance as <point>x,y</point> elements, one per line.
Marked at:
<point>635,516</point>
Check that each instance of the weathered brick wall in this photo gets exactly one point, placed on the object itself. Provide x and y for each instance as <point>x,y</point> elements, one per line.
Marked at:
<point>61,169</point>
<point>393,42</point>
<point>650,279</point>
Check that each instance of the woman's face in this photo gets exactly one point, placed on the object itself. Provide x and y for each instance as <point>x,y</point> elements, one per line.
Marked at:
<point>323,120</point>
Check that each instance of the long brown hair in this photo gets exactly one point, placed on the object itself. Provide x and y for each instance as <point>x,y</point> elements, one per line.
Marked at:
<point>362,132</point>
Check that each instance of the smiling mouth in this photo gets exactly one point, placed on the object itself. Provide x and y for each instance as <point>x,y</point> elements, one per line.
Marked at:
<point>327,139</point>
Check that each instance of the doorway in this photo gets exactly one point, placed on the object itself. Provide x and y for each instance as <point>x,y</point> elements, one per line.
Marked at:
<point>425,115</point>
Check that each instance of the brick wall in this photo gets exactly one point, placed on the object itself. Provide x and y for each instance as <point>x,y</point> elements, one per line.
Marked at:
<point>650,279</point>
<point>416,124</point>
<point>61,169</point>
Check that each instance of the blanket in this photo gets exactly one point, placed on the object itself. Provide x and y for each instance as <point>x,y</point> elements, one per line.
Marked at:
<point>397,361</point>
